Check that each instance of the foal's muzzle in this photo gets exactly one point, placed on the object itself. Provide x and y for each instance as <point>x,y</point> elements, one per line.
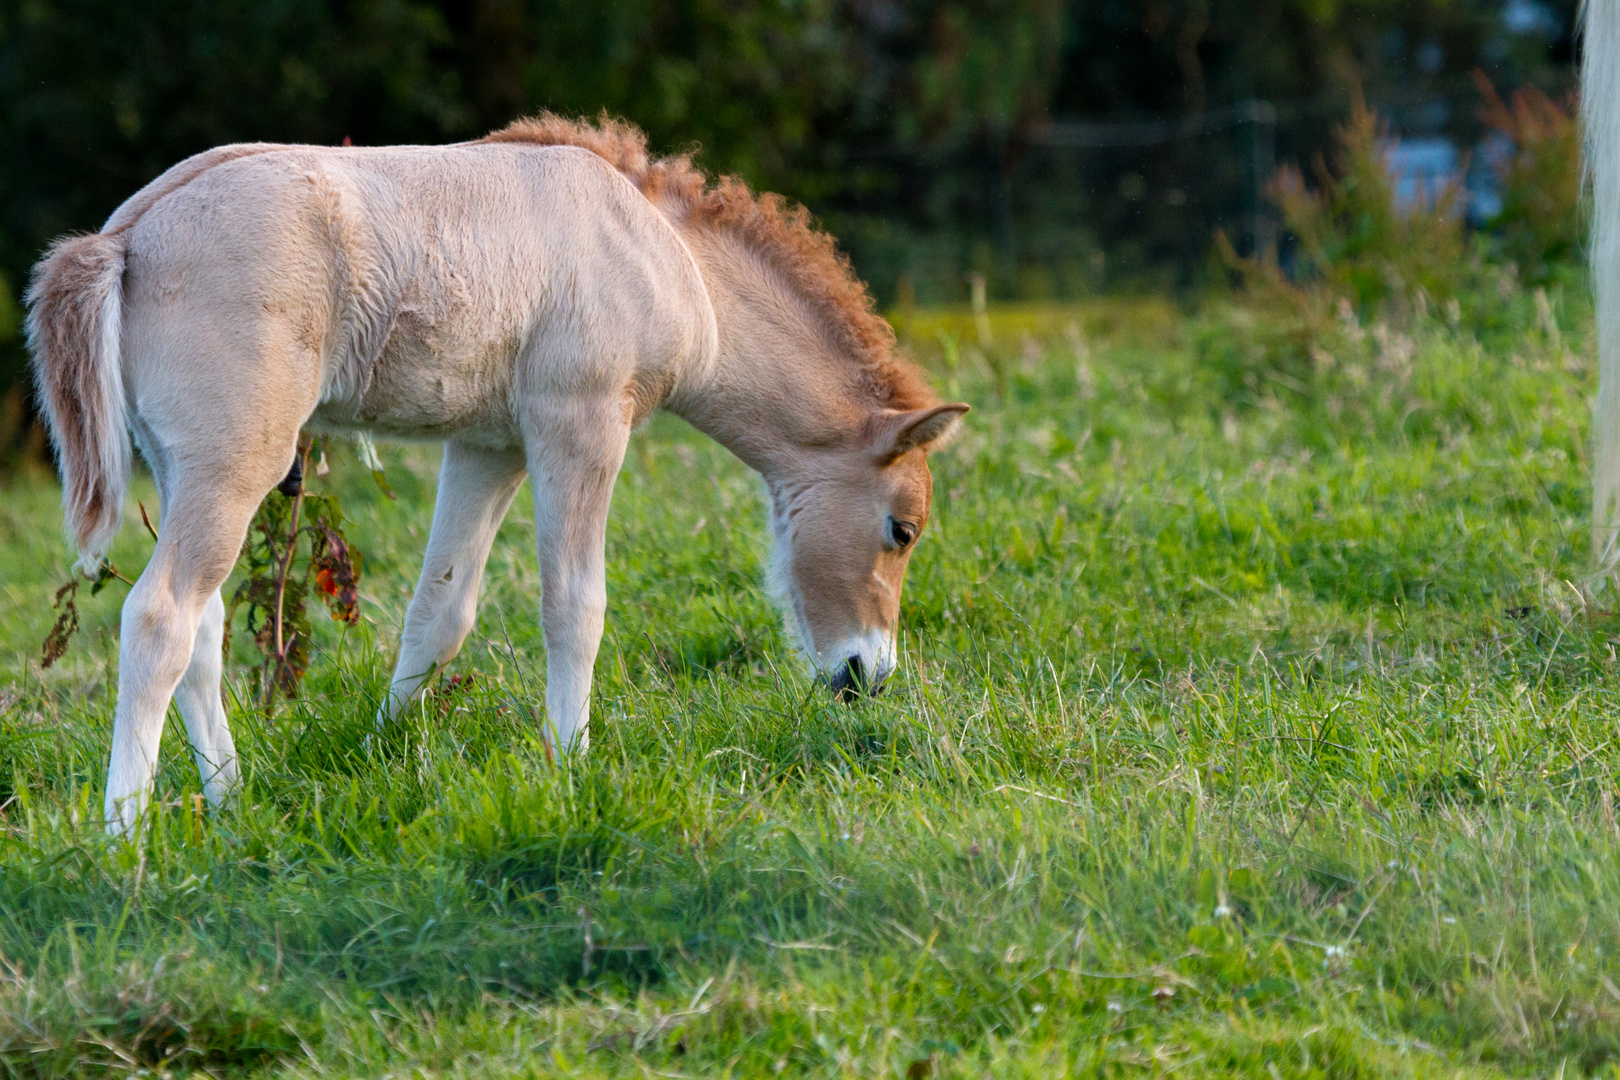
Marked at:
<point>851,680</point>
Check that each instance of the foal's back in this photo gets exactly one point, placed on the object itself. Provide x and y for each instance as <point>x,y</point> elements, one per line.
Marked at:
<point>418,291</point>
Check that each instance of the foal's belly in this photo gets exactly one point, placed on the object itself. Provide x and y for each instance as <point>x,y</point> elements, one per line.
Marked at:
<point>433,386</point>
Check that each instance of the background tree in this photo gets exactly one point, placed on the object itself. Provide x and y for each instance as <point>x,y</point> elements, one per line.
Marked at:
<point>921,130</point>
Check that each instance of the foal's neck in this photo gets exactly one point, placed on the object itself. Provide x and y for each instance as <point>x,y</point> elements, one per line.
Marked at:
<point>778,387</point>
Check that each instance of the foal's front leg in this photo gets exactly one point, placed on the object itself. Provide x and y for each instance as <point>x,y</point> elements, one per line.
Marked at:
<point>476,486</point>
<point>575,449</point>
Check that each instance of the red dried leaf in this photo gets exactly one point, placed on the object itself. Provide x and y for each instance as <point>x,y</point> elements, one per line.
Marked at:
<point>337,574</point>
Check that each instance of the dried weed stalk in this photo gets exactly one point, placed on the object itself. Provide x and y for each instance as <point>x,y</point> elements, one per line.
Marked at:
<point>295,544</point>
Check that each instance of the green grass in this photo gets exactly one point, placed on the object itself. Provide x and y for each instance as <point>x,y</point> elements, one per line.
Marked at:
<point>1252,722</point>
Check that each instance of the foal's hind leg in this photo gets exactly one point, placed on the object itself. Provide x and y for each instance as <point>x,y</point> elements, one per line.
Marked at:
<point>199,535</point>
<point>198,696</point>
<point>475,488</point>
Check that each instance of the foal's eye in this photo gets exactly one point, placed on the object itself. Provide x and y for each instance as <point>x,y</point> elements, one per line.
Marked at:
<point>902,533</point>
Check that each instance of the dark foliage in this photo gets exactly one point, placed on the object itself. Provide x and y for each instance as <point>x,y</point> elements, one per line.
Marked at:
<point>916,129</point>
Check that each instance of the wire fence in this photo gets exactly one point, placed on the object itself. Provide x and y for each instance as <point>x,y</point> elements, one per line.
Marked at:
<point>1078,205</point>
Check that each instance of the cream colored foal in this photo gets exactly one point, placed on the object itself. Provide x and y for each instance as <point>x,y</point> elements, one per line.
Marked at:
<point>527,299</point>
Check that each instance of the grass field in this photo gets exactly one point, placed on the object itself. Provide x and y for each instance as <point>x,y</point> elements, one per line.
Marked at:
<point>1253,721</point>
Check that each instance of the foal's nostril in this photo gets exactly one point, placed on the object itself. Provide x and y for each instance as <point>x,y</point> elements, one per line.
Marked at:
<point>848,681</point>
<point>852,681</point>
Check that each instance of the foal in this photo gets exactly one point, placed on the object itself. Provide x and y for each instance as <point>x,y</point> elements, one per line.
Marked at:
<point>528,299</point>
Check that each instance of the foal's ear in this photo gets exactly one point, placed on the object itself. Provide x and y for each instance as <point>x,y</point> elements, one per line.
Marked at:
<point>918,429</point>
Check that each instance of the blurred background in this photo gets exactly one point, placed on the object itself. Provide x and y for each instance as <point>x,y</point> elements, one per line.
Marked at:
<point>1041,150</point>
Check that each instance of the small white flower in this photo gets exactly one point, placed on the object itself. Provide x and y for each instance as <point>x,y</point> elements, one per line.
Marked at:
<point>1037,1008</point>
<point>1448,920</point>
<point>1115,1007</point>
<point>1222,911</point>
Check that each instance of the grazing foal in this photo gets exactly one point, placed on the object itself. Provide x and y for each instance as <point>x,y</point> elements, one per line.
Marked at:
<point>528,299</point>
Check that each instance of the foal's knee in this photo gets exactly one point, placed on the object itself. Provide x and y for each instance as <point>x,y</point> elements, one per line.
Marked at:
<point>440,621</point>
<point>455,623</point>
<point>449,642</point>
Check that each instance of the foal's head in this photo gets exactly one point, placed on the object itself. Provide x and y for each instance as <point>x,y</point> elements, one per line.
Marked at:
<point>845,525</point>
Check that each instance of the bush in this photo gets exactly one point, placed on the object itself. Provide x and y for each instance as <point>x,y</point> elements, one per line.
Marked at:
<point>1334,320</point>
<point>1353,238</point>
<point>1539,227</point>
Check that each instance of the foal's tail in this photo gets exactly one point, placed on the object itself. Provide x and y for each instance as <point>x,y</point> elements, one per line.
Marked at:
<point>75,313</point>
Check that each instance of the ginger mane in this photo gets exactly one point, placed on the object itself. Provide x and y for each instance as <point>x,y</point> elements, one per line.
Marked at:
<point>781,230</point>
